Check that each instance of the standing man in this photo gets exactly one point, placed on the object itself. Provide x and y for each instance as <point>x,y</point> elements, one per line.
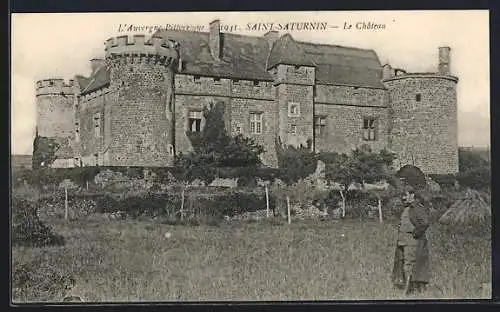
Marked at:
<point>411,263</point>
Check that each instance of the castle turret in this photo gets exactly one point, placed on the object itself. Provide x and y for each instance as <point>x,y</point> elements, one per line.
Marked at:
<point>143,71</point>
<point>55,114</point>
<point>424,124</point>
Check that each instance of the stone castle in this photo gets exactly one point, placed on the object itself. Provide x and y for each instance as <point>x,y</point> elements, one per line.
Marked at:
<point>138,103</point>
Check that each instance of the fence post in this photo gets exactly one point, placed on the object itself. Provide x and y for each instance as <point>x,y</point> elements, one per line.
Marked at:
<point>380,211</point>
<point>182,203</point>
<point>65,201</point>
<point>267,202</point>
<point>343,203</point>
<point>288,209</point>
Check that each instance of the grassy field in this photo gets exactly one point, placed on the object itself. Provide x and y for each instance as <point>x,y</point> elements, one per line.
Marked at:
<point>329,260</point>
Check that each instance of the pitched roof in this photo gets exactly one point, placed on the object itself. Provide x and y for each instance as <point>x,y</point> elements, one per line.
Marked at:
<point>82,81</point>
<point>344,65</point>
<point>99,79</point>
<point>287,51</point>
<point>243,57</point>
<point>248,57</point>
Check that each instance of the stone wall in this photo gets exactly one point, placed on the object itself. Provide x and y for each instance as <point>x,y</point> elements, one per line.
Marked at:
<point>344,108</point>
<point>240,97</point>
<point>424,132</point>
<point>240,118</point>
<point>55,112</point>
<point>96,104</point>
<point>358,96</point>
<point>193,103</point>
<point>139,125</point>
<point>295,88</point>
<point>344,127</point>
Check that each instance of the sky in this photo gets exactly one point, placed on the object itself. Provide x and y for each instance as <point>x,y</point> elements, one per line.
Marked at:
<point>60,46</point>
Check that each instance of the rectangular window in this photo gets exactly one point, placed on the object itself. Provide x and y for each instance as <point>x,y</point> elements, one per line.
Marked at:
<point>319,125</point>
<point>369,129</point>
<point>418,97</point>
<point>97,125</point>
<point>196,79</point>
<point>293,129</point>
<point>256,123</point>
<point>195,121</point>
<point>293,109</point>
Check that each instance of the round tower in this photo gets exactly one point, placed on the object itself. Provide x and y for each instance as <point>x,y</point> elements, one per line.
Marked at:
<point>424,118</point>
<point>55,113</point>
<point>143,118</point>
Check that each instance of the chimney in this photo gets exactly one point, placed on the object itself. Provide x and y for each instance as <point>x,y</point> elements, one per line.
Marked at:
<point>271,37</point>
<point>444,60</point>
<point>95,64</point>
<point>215,39</point>
<point>387,71</point>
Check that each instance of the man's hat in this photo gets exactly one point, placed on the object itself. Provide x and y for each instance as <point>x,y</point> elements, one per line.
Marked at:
<point>413,176</point>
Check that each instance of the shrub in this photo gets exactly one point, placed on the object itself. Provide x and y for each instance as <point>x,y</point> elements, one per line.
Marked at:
<point>301,193</point>
<point>468,159</point>
<point>28,229</point>
<point>477,178</point>
<point>214,148</point>
<point>295,163</point>
<point>240,201</point>
<point>44,151</point>
<point>136,205</point>
<point>201,205</point>
<point>445,181</point>
<point>41,276</point>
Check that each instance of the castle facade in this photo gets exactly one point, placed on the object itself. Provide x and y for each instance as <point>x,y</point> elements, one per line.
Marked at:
<point>140,101</point>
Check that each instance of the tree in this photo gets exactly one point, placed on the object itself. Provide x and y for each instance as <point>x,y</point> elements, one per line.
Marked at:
<point>214,148</point>
<point>44,151</point>
<point>370,167</point>
<point>474,170</point>
<point>338,168</point>
<point>468,160</point>
<point>362,166</point>
<point>295,163</point>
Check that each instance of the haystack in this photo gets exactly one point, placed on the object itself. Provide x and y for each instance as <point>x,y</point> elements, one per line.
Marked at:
<point>473,207</point>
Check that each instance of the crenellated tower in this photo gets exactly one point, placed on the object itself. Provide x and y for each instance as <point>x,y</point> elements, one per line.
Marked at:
<point>142,100</point>
<point>55,100</point>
